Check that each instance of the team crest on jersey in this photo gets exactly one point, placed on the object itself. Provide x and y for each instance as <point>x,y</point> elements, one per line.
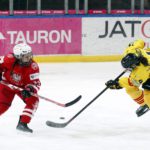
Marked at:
<point>34,66</point>
<point>16,77</point>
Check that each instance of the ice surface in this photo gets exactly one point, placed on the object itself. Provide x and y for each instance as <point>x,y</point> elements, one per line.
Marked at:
<point>109,123</point>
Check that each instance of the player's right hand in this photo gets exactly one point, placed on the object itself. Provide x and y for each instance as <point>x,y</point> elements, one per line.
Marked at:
<point>113,84</point>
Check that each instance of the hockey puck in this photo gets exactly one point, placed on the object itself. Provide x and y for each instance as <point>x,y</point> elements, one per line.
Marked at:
<point>62,118</point>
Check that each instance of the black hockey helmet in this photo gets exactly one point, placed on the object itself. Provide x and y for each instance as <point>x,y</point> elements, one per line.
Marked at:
<point>130,61</point>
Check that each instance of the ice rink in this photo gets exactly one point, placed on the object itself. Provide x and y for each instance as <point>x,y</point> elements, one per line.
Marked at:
<point>110,123</point>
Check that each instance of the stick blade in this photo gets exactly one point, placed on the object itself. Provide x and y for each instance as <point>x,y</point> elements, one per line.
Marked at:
<point>56,125</point>
<point>73,102</point>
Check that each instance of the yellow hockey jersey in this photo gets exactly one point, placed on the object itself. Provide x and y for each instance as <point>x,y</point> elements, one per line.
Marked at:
<point>141,73</point>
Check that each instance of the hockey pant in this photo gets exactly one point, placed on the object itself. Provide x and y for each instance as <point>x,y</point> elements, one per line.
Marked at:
<point>7,96</point>
<point>140,96</point>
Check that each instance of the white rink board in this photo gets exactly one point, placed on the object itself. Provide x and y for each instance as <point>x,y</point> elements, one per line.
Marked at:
<point>115,34</point>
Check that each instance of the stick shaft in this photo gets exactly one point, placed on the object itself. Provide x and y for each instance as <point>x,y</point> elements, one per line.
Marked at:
<point>62,125</point>
<point>42,97</point>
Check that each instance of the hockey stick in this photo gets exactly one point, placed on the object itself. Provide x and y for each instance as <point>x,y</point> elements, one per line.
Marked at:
<point>62,125</point>
<point>42,97</point>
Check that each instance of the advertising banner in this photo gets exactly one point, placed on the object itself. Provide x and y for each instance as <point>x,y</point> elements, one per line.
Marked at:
<point>46,36</point>
<point>111,35</point>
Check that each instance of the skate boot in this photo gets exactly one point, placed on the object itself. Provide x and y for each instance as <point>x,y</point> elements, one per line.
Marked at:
<point>142,110</point>
<point>23,127</point>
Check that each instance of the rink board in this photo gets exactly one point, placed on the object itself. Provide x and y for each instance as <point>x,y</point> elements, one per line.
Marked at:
<point>74,38</point>
<point>78,58</point>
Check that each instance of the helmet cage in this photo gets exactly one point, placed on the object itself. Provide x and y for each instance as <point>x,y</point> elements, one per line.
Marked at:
<point>25,59</point>
<point>130,61</point>
<point>23,53</point>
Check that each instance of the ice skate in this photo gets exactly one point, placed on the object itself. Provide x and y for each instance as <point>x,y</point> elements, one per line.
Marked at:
<point>23,127</point>
<point>142,110</point>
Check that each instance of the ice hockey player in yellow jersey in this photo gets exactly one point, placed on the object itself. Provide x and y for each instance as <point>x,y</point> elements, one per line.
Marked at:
<point>137,84</point>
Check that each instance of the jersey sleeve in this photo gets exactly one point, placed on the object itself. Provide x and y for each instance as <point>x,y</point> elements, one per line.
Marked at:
<point>6,62</point>
<point>32,77</point>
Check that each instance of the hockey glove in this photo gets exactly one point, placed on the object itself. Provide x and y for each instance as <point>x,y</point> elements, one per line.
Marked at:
<point>27,91</point>
<point>113,84</point>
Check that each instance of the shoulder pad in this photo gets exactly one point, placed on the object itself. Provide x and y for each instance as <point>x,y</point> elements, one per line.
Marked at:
<point>9,58</point>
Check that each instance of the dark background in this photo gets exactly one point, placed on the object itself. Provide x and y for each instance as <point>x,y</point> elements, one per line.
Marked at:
<point>59,4</point>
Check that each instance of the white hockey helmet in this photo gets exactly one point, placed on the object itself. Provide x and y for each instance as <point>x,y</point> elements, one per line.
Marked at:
<point>21,49</point>
<point>23,53</point>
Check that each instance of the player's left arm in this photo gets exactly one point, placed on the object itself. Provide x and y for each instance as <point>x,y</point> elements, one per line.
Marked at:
<point>32,78</point>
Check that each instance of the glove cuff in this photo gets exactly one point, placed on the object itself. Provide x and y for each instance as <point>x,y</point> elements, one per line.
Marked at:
<point>30,88</point>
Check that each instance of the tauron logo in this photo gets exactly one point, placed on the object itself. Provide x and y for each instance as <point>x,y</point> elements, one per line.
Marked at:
<point>2,37</point>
